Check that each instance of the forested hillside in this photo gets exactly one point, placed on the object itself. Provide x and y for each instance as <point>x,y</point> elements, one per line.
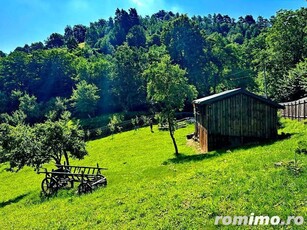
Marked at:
<point>98,69</point>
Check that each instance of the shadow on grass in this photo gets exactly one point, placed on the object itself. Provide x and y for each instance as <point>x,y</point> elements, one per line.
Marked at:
<point>264,142</point>
<point>183,158</point>
<point>13,201</point>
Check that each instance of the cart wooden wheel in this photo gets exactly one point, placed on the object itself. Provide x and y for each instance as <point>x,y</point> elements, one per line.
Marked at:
<point>103,182</point>
<point>84,188</point>
<point>49,186</point>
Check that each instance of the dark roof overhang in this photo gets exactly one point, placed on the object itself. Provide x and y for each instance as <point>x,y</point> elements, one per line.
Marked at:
<point>229,93</point>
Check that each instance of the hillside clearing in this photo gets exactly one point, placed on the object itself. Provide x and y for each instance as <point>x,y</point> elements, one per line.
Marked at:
<point>149,188</point>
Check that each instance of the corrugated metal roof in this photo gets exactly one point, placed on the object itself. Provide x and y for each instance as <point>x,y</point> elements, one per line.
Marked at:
<point>229,93</point>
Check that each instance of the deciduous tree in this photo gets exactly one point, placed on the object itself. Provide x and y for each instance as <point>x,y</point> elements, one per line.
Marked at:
<point>286,46</point>
<point>55,40</point>
<point>85,98</point>
<point>24,145</point>
<point>168,86</point>
<point>129,86</point>
<point>186,46</point>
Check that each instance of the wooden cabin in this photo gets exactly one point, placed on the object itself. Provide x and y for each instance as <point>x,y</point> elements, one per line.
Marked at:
<point>234,117</point>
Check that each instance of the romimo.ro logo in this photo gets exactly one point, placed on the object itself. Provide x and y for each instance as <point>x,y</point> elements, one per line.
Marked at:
<point>258,220</point>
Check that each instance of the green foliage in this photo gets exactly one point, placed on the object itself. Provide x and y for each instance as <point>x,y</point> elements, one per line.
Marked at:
<point>55,108</point>
<point>126,20</point>
<point>168,86</point>
<point>145,120</point>
<point>84,98</point>
<point>2,54</point>
<point>3,102</point>
<point>135,122</point>
<point>129,86</point>
<point>36,46</point>
<point>295,166</point>
<point>186,46</point>
<point>104,45</point>
<point>297,81</point>
<point>55,40</point>
<point>154,40</point>
<point>14,73</point>
<point>115,120</point>
<point>72,43</point>
<point>286,46</point>
<point>216,51</point>
<point>29,106</point>
<point>95,31</point>
<point>24,145</point>
<point>136,36</point>
<point>17,117</point>
<point>79,32</point>
<point>302,147</point>
<point>18,145</point>
<point>98,72</point>
<point>46,74</point>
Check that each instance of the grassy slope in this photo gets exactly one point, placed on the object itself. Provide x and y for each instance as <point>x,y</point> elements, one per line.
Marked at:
<point>149,189</point>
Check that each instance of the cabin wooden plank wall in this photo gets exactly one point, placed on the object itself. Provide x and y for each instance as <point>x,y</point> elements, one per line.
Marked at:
<point>233,121</point>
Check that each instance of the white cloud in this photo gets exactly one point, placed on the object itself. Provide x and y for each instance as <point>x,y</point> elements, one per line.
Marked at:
<point>148,7</point>
<point>176,9</point>
<point>139,3</point>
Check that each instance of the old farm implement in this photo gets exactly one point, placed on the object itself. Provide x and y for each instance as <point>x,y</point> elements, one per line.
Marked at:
<point>66,175</point>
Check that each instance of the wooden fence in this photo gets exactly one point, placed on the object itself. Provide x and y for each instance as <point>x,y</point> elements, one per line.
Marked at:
<point>295,109</point>
<point>127,125</point>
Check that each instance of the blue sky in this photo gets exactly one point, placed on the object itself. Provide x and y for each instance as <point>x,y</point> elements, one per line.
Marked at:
<point>28,21</point>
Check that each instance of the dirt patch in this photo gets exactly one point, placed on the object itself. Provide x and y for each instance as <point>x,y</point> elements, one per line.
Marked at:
<point>194,145</point>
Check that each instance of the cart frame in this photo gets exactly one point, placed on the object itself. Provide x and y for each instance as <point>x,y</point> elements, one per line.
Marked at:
<point>66,175</point>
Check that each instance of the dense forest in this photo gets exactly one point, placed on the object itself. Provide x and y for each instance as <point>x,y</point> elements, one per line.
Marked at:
<point>103,68</point>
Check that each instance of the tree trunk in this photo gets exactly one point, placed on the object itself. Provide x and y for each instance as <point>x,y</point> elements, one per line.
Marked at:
<point>170,128</point>
<point>57,160</point>
<point>66,158</point>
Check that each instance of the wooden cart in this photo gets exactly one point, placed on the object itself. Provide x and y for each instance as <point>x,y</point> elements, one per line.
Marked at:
<point>66,175</point>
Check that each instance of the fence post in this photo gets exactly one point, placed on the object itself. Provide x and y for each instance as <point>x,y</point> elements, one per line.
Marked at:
<point>304,109</point>
<point>295,110</point>
<point>288,107</point>
<point>298,110</point>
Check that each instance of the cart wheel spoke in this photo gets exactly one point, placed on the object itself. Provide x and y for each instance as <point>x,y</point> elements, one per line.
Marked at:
<point>84,188</point>
<point>49,186</point>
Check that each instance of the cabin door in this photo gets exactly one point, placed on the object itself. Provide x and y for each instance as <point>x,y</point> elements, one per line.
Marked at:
<point>203,138</point>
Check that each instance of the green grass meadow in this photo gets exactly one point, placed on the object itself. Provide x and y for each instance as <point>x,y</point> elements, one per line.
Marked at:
<point>148,188</point>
